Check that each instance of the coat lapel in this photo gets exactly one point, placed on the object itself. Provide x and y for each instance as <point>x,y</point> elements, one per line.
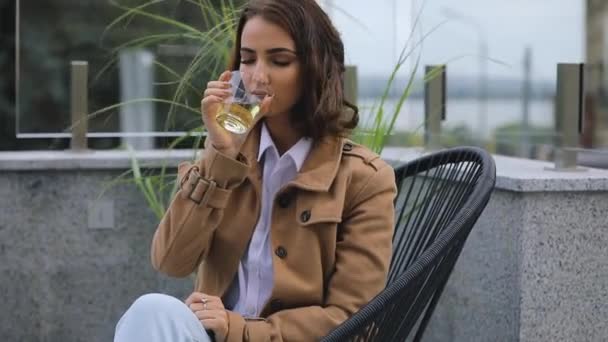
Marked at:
<point>318,171</point>
<point>321,166</point>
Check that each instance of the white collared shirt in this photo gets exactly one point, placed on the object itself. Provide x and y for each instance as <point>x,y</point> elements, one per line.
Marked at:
<point>253,286</point>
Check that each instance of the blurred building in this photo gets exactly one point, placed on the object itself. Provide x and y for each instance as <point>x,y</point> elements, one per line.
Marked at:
<point>597,80</point>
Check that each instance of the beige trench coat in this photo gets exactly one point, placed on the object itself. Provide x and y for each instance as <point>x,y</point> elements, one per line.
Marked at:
<point>331,235</point>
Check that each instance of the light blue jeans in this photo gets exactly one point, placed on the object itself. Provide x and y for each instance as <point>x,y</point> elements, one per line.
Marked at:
<point>157,317</point>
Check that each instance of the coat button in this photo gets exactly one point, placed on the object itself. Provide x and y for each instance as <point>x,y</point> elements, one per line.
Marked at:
<point>347,147</point>
<point>305,216</point>
<point>276,304</point>
<point>284,200</point>
<point>281,252</point>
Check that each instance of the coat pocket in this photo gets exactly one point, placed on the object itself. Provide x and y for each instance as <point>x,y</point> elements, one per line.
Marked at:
<point>315,208</point>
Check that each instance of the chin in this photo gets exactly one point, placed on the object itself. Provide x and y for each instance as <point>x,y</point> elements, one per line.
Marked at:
<point>274,113</point>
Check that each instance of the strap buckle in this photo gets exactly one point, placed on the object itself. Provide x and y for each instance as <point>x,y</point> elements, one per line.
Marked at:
<point>194,180</point>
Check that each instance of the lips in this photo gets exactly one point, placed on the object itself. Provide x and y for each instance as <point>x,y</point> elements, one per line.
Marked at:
<point>260,93</point>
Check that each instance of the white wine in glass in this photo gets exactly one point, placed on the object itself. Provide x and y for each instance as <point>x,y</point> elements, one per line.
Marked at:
<point>237,117</point>
<point>238,111</point>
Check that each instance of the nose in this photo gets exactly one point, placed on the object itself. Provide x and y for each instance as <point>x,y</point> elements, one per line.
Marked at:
<point>260,76</point>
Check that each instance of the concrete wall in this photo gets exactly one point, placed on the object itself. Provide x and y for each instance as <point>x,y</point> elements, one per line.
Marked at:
<point>481,301</point>
<point>535,268</point>
<point>59,279</point>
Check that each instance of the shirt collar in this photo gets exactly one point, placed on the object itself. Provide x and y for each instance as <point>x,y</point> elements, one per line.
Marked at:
<point>297,152</point>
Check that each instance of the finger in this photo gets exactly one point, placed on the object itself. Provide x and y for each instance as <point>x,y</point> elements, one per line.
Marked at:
<point>214,303</point>
<point>211,299</point>
<point>209,314</point>
<point>211,99</point>
<point>215,299</point>
<point>264,109</point>
<point>223,93</point>
<point>196,306</point>
<point>266,103</point>
<point>194,296</point>
<point>219,84</point>
<point>208,102</point>
<point>225,76</point>
<point>211,324</point>
<point>199,297</point>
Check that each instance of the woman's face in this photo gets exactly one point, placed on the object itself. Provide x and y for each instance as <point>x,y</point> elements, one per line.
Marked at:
<point>270,65</point>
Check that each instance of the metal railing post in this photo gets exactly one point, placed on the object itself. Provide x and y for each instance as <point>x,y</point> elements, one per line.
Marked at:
<point>434,105</point>
<point>79,104</point>
<point>570,106</point>
<point>350,84</point>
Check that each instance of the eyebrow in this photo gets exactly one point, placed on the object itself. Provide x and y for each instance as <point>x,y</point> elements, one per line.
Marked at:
<point>269,51</point>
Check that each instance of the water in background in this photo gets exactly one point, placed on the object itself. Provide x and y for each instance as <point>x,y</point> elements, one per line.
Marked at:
<point>466,112</point>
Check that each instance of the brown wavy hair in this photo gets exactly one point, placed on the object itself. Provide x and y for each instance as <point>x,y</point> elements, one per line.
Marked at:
<point>321,110</point>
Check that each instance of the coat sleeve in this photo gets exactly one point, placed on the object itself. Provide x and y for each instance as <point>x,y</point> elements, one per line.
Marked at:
<point>185,231</point>
<point>363,253</point>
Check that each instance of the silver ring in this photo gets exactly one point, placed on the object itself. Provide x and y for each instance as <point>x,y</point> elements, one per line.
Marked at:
<point>205,306</point>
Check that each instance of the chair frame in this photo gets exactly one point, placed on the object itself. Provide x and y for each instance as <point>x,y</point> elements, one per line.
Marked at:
<point>436,261</point>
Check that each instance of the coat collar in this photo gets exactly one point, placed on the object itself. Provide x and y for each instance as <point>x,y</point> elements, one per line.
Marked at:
<point>317,172</point>
<point>297,153</point>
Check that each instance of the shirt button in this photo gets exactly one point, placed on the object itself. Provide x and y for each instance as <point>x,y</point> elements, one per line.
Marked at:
<point>281,252</point>
<point>276,304</point>
<point>305,216</point>
<point>347,147</point>
<point>284,200</point>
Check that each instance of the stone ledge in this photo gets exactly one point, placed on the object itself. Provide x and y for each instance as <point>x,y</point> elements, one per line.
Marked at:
<point>525,175</point>
<point>513,174</point>
<point>68,160</point>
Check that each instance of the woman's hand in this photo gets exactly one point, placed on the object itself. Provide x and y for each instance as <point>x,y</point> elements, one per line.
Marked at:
<point>213,97</point>
<point>211,313</point>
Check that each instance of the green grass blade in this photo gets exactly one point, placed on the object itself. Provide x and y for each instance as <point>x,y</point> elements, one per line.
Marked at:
<point>126,15</point>
<point>161,19</point>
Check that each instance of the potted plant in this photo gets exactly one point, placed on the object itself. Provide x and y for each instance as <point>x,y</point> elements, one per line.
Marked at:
<point>213,47</point>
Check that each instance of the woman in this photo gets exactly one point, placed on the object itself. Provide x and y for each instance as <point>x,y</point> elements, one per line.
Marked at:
<point>289,228</point>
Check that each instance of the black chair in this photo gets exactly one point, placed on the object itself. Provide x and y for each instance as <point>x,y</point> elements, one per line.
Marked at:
<point>440,197</point>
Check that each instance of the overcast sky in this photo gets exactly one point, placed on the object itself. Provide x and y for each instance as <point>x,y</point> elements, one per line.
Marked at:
<point>554,29</point>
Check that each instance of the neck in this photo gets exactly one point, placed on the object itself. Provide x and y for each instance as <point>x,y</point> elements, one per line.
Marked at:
<point>283,134</point>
